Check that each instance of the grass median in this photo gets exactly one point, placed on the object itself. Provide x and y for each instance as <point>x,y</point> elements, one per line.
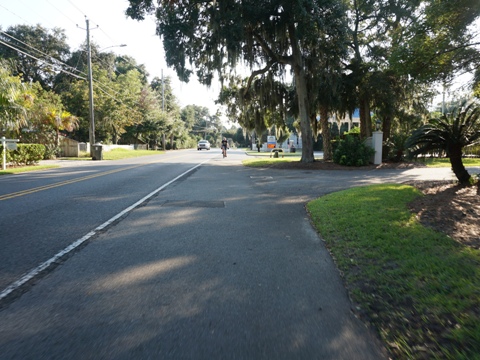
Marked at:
<point>418,288</point>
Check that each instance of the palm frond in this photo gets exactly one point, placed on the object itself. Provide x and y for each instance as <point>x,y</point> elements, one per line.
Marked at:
<point>460,128</point>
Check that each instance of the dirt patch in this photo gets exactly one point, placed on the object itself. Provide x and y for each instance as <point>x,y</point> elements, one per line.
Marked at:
<point>451,209</point>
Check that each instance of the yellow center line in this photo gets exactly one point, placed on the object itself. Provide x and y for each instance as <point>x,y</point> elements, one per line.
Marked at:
<point>63,183</point>
<point>67,182</point>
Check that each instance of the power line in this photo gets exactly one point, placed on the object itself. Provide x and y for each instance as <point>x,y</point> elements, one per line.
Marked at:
<point>56,60</point>
<point>57,63</point>
<point>61,12</point>
<point>43,18</point>
<point>97,83</point>
<point>11,12</point>
<point>41,52</point>
<point>41,60</point>
<point>76,7</point>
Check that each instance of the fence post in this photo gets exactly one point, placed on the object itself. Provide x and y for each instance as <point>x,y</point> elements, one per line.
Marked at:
<point>377,142</point>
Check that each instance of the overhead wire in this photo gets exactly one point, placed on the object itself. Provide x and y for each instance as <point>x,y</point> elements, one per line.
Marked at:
<point>11,12</point>
<point>44,19</point>
<point>58,63</point>
<point>41,52</point>
<point>97,84</point>
<point>73,22</point>
<point>61,12</point>
<point>23,51</point>
<point>41,60</point>
<point>56,60</point>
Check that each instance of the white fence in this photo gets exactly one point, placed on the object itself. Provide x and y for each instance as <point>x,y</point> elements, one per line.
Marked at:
<point>72,148</point>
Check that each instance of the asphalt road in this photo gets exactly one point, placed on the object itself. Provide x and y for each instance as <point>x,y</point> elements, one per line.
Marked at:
<point>220,262</point>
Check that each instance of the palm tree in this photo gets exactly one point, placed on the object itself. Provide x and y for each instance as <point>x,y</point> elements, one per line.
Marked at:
<point>15,99</point>
<point>449,133</point>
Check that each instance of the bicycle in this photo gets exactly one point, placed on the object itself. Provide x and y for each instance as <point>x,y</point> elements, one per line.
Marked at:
<point>224,147</point>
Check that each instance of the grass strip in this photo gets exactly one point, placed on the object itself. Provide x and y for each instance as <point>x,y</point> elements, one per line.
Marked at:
<point>267,161</point>
<point>444,162</point>
<point>114,154</point>
<point>17,170</point>
<point>419,288</point>
<point>267,154</point>
<point>256,162</point>
<point>118,154</point>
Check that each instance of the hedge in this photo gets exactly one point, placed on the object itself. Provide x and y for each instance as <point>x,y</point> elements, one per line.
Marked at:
<point>26,154</point>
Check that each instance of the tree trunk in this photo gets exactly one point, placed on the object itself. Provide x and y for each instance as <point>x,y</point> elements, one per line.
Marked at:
<point>305,127</point>
<point>387,129</point>
<point>386,126</point>
<point>302,95</point>
<point>455,155</point>
<point>114,135</point>
<point>326,138</point>
<point>365,120</point>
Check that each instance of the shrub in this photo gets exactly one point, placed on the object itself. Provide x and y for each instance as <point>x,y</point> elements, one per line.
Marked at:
<point>26,154</point>
<point>352,151</point>
<point>395,147</point>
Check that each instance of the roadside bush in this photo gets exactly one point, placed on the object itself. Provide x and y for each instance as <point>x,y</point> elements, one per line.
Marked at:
<point>394,147</point>
<point>51,152</point>
<point>26,154</point>
<point>352,151</point>
<point>472,151</point>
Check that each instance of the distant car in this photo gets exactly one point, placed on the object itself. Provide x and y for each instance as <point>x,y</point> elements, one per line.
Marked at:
<point>203,144</point>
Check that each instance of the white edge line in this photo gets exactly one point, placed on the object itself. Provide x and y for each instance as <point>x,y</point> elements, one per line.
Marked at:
<point>34,272</point>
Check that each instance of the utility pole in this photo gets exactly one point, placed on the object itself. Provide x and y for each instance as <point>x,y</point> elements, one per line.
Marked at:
<point>90,91</point>
<point>91,128</point>
<point>163,110</point>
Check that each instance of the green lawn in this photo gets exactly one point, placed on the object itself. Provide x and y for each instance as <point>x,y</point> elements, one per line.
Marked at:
<point>296,155</point>
<point>443,162</point>
<point>263,159</point>
<point>259,162</point>
<point>9,171</point>
<point>118,154</point>
<point>418,288</point>
<point>115,154</point>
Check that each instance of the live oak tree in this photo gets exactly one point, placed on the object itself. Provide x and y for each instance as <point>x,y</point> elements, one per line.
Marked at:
<point>169,109</point>
<point>400,46</point>
<point>267,36</point>
<point>264,105</point>
<point>37,52</point>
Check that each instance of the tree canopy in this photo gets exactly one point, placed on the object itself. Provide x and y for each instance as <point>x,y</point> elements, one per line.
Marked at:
<point>44,94</point>
<point>266,36</point>
<point>342,55</point>
<point>37,52</point>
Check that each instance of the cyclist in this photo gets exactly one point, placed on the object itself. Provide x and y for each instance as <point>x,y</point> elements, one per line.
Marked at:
<point>224,147</point>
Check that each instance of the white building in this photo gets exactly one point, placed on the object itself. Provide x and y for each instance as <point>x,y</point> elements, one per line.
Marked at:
<point>344,121</point>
